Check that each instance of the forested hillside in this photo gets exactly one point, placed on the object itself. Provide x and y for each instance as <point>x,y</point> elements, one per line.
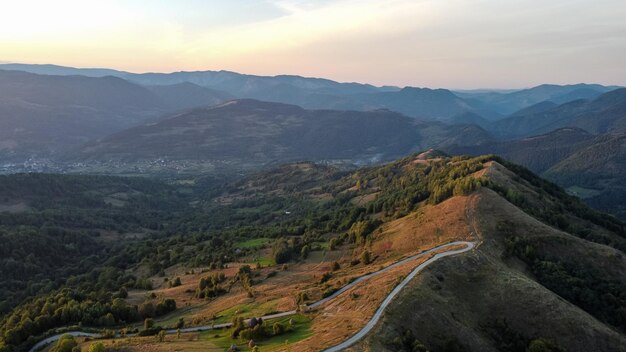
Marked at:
<point>104,236</point>
<point>60,225</point>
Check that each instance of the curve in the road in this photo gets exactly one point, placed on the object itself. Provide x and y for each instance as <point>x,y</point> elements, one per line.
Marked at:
<point>54,338</point>
<point>394,265</point>
<point>379,312</point>
<point>353,339</point>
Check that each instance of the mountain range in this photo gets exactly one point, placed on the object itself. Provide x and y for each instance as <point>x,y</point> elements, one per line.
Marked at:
<point>510,102</point>
<point>42,114</point>
<point>603,114</point>
<point>416,219</point>
<point>317,93</point>
<point>101,120</point>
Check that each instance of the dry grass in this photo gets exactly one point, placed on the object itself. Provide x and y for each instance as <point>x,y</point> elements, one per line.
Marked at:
<point>429,227</point>
<point>345,315</point>
<point>426,228</point>
<point>188,343</point>
<point>364,199</point>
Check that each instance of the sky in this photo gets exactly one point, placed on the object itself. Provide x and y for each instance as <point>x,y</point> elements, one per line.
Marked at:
<point>460,44</point>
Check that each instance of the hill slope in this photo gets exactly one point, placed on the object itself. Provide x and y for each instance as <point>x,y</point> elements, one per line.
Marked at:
<point>597,173</point>
<point>606,113</point>
<point>43,115</point>
<point>524,284</point>
<point>538,153</point>
<point>546,270</point>
<point>590,166</point>
<point>244,134</point>
<point>508,103</point>
<point>188,95</point>
<point>252,130</point>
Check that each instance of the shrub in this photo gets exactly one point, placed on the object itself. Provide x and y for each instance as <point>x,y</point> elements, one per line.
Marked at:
<point>302,297</point>
<point>277,329</point>
<point>97,347</point>
<point>365,257</point>
<point>176,282</point>
<point>281,251</point>
<point>166,306</point>
<point>542,345</point>
<point>325,277</point>
<point>66,343</point>
<point>328,292</point>
<point>304,253</point>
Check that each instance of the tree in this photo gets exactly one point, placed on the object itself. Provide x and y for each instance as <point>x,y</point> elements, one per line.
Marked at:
<point>147,310</point>
<point>365,257</point>
<point>253,322</point>
<point>238,326</point>
<point>302,297</point>
<point>107,320</point>
<point>177,282</point>
<point>202,284</point>
<point>282,251</point>
<point>65,344</point>
<point>333,243</point>
<point>325,277</point>
<point>542,345</point>
<point>148,323</point>
<point>277,329</point>
<point>97,347</point>
<point>181,323</point>
<point>304,253</point>
<point>165,306</point>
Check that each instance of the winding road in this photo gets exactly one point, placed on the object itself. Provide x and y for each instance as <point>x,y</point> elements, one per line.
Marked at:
<point>359,335</point>
<point>379,312</point>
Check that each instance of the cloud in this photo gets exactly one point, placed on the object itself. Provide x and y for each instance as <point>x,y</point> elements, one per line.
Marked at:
<point>453,43</point>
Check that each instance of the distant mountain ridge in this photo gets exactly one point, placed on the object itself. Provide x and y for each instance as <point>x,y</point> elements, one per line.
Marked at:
<point>605,113</point>
<point>509,103</point>
<point>311,93</point>
<point>538,153</point>
<point>319,93</point>
<point>63,113</point>
<point>42,115</point>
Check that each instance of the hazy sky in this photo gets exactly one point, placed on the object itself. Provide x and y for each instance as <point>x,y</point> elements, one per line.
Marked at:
<point>434,43</point>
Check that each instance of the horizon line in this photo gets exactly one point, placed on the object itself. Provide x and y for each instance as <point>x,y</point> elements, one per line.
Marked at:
<point>3,62</point>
